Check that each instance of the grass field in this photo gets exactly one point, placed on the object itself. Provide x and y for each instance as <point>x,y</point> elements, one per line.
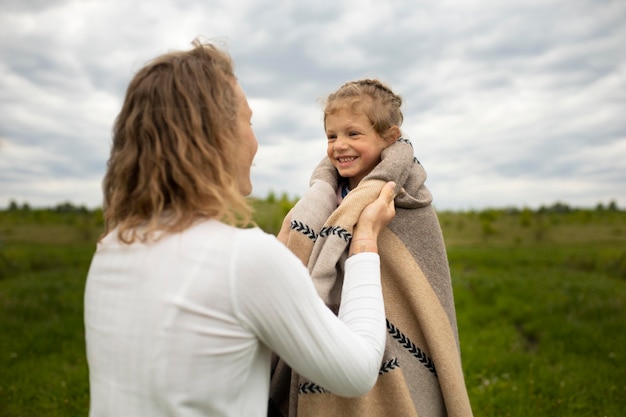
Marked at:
<point>540,302</point>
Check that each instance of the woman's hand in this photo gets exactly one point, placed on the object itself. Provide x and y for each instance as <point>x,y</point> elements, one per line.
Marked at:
<point>373,220</point>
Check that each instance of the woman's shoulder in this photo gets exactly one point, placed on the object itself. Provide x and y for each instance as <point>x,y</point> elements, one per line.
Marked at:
<point>228,232</point>
<point>258,238</point>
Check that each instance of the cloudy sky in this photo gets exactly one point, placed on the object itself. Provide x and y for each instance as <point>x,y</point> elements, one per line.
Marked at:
<point>508,103</point>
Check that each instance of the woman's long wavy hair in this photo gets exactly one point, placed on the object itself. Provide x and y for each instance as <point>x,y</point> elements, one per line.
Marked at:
<point>175,145</point>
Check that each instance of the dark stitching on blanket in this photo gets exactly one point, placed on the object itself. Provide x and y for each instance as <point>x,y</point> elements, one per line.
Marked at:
<point>388,366</point>
<point>336,230</point>
<point>410,346</point>
<point>404,140</point>
<point>310,388</point>
<point>304,229</point>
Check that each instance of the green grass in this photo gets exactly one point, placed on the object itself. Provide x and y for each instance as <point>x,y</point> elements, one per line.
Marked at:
<point>540,302</point>
<point>542,333</point>
<point>43,371</point>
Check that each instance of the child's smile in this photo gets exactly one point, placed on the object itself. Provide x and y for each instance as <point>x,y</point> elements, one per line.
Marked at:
<point>354,147</point>
<point>346,161</point>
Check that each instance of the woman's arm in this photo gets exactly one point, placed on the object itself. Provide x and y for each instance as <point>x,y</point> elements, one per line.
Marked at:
<point>276,299</point>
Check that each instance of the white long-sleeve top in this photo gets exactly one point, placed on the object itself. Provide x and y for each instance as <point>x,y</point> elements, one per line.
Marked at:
<point>185,326</point>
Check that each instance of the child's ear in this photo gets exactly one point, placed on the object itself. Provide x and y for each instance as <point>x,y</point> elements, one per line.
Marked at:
<point>393,134</point>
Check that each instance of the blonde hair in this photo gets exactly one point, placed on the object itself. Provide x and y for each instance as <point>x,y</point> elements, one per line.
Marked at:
<point>175,145</point>
<point>371,98</point>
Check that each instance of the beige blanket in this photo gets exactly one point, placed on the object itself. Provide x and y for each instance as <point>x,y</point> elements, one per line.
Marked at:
<point>421,373</point>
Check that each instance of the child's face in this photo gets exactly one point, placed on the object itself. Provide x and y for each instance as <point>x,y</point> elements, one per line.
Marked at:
<point>354,147</point>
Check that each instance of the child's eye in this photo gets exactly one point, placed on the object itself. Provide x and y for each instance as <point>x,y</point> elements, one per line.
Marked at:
<point>331,137</point>
<point>353,133</point>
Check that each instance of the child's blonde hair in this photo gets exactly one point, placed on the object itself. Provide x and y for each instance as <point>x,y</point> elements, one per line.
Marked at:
<point>371,98</point>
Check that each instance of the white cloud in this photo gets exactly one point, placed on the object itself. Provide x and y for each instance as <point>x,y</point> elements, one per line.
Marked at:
<point>507,103</point>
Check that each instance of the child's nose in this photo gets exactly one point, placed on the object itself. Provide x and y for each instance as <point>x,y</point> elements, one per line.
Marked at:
<point>341,142</point>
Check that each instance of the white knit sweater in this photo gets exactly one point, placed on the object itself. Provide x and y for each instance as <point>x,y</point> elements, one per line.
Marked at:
<point>185,326</point>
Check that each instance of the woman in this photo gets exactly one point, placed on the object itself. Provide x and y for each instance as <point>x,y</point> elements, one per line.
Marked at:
<point>183,305</point>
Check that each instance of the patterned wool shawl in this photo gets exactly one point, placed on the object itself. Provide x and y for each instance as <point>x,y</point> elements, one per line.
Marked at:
<point>421,372</point>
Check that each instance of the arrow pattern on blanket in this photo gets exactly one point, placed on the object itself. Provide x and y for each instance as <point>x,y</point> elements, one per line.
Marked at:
<point>389,365</point>
<point>337,231</point>
<point>410,346</point>
<point>304,229</point>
